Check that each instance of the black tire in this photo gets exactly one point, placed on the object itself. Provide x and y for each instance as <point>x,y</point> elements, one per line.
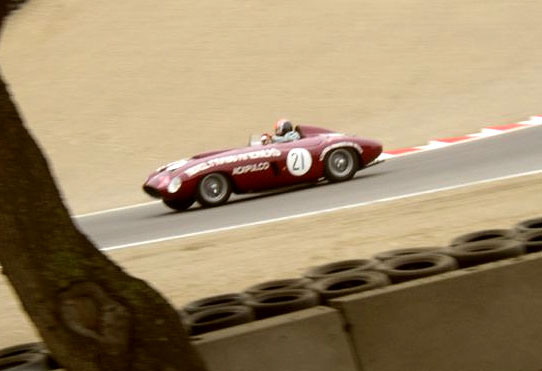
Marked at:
<point>529,225</point>
<point>35,347</point>
<point>213,190</point>
<point>179,205</point>
<point>532,241</point>
<point>23,350</point>
<point>25,362</point>
<point>284,284</point>
<point>218,318</point>
<point>390,254</point>
<point>474,253</point>
<point>52,363</point>
<point>483,235</point>
<point>216,301</point>
<point>409,267</point>
<point>278,302</point>
<point>340,164</point>
<point>340,267</point>
<point>13,5</point>
<point>347,284</point>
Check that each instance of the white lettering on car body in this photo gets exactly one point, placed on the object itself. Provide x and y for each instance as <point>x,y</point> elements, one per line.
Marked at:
<point>251,168</point>
<point>230,159</point>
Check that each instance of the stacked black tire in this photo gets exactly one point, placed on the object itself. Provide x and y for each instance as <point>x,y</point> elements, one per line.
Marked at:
<point>322,283</point>
<point>13,5</point>
<point>27,357</point>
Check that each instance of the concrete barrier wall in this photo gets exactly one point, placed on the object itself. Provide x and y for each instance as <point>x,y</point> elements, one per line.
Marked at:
<point>482,318</point>
<point>485,318</point>
<point>308,340</point>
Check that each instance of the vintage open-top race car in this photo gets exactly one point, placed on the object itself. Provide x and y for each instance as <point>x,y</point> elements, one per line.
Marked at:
<point>211,177</point>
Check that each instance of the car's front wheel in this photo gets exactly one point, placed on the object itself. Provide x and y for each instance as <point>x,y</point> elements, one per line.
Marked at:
<point>179,205</point>
<point>213,190</point>
<point>341,164</point>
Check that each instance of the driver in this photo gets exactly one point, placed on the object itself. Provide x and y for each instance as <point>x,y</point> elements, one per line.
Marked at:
<point>284,132</point>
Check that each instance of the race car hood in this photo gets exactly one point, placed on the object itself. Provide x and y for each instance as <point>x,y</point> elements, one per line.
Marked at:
<point>201,161</point>
<point>185,162</point>
<point>210,153</point>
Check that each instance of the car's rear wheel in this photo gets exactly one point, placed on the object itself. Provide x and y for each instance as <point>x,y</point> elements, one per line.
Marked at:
<point>213,190</point>
<point>179,205</point>
<point>341,164</point>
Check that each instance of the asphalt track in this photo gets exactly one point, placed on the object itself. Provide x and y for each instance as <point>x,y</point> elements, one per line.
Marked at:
<point>494,157</point>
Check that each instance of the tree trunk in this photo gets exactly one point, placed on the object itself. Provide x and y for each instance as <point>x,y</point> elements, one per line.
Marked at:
<point>91,314</point>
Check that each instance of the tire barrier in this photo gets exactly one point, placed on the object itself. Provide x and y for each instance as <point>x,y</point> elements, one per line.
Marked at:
<point>218,318</point>
<point>25,362</point>
<point>284,284</point>
<point>274,303</point>
<point>435,324</point>
<point>390,254</point>
<point>215,302</point>
<point>532,241</point>
<point>25,357</point>
<point>340,267</point>
<point>334,284</point>
<point>22,348</point>
<point>52,363</point>
<point>409,267</point>
<point>529,225</point>
<point>351,283</point>
<point>483,235</point>
<point>474,253</point>
<point>13,5</point>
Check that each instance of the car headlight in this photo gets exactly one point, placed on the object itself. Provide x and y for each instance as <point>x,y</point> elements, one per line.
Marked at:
<point>174,185</point>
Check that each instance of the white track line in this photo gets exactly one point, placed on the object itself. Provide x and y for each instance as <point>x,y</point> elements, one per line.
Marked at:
<point>117,209</point>
<point>323,211</point>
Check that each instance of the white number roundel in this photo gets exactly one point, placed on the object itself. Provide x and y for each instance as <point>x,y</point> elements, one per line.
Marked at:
<point>299,161</point>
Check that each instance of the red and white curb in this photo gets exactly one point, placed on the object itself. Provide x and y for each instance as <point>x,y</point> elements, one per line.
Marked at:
<point>487,131</point>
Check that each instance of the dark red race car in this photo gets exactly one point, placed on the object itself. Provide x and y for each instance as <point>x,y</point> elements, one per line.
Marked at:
<point>211,177</point>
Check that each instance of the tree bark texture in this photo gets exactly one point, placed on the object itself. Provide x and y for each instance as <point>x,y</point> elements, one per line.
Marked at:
<point>91,314</point>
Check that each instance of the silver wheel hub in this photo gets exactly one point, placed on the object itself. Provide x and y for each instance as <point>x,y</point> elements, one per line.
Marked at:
<point>341,162</point>
<point>214,188</point>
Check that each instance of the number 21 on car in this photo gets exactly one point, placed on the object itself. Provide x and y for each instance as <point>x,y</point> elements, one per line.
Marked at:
<point>298,161</point>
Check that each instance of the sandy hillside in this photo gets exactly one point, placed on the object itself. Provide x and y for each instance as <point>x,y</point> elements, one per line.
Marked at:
<point>114,88</point>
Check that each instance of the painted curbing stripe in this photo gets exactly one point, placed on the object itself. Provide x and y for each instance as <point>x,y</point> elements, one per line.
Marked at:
<point>319,212</point>
<point>507,127</point>
<point>453,139</point>
<point>434,144</point>
<point>401,151</point>
<point>385,156</point>
<point>534,120</point>
<point>485,132</point>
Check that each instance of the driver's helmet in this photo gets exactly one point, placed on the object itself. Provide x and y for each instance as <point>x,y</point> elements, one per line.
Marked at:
<point>283,126</point>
